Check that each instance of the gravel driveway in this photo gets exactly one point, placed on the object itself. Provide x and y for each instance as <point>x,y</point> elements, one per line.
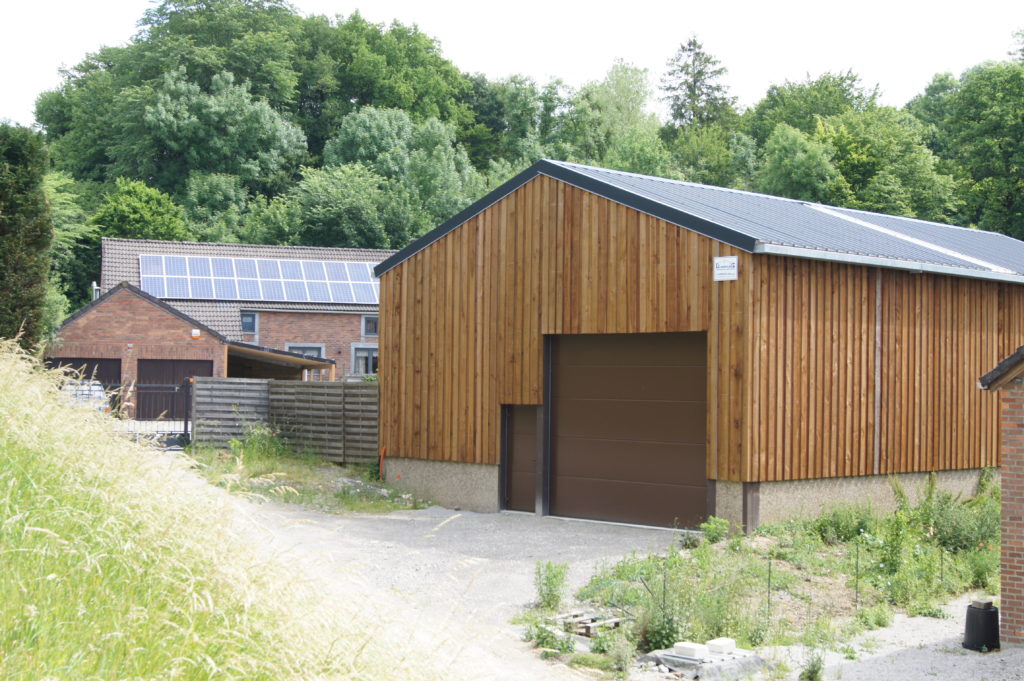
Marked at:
<point>452,580</point>
<point>448,582</point>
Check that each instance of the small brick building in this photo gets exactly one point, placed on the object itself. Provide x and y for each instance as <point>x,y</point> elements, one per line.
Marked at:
<point>320,302</point>
<point>1008,379</point>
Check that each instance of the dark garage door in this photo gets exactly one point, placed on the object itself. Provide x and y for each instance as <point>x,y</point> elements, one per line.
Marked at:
<point>157,393</point>
<point>628,431</point>
<point>106,371</point>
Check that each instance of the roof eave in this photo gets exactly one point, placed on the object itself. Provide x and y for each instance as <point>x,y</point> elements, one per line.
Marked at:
<point>891,263</point>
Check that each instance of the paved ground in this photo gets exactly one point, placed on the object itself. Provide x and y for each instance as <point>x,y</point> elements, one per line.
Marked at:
<point>450,579</point>
<point>448,582</point>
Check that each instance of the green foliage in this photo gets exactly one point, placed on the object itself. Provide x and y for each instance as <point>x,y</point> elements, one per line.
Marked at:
<point>800,105</point>
<point>26,234</point>
<point>876,616</point>
<point>596,661</point>
<point>334,206</point>
<point>693,88</point>
<point>549,581</point>
<point>982,132</point>
<point>543,636</point>
<point>118,565</point>
<point>715,529</point>
<point>136,211</point>
<point>844,524</point>
<point>814,670</point>
<point>799,167</point>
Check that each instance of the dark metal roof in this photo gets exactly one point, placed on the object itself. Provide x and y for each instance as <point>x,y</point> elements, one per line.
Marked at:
<point>758,223</point>
<point>1005,371</point>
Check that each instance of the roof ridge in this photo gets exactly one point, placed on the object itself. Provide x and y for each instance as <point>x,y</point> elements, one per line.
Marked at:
<point>223,244</point>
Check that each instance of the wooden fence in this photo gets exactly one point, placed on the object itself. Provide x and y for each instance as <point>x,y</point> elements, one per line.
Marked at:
<point>335,420</point>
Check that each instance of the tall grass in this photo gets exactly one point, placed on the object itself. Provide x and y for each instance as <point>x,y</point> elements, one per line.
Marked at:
<point>115,562</point>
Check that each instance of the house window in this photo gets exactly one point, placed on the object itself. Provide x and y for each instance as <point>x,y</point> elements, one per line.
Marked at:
<point>369,326</point>
<point>364,359</point>
<point>248,322</point>
<point>309,350</point>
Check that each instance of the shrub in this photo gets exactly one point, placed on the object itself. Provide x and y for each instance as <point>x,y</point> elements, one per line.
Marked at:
<point>844,524</point>
<point>549,580</point>
<point>543,636</point>
<point>715,529</point>
<point>983,568</point>
<point>875,617</point>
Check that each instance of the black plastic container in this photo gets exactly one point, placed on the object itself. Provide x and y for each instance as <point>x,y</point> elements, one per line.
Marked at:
<point>981,631</point>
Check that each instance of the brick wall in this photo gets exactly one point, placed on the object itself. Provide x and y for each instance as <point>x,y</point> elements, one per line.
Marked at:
<point>1011,610</point>
<point>336,332</point>
<point>129,328</point>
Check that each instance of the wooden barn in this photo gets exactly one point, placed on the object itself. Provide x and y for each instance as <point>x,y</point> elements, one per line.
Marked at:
<point>590,343</point>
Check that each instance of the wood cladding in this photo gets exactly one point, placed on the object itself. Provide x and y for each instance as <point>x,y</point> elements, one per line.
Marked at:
<point>815,369</point>
<point>462,322</point>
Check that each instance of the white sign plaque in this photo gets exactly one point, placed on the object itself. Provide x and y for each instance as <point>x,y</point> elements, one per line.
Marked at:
<point>726,268</point>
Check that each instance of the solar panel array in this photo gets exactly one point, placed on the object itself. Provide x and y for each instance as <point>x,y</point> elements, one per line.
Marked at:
<point>294,281</point>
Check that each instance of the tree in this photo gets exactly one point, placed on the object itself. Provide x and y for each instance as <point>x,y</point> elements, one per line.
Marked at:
<point>26,233</point>
<point>800,105</point>
<point>71,231</point>
<point>984,134</point>
<point>882,156</point>
<point>798,167</point>
<point>175,129</point>
<point>714,155</point>
<point>422,162</point>
<point>693,88</point>
<point>135,211</point>
<point>338,206</point>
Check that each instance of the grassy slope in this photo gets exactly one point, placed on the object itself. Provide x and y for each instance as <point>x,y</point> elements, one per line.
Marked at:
<point>116,563</point>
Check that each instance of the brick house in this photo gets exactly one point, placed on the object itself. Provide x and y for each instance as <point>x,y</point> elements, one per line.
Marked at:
<point>1008,379</point>
<point>320,302</point>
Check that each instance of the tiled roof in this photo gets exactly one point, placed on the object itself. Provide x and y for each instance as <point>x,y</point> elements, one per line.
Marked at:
<point>225,315</point>
<point>758,223</point>
<point>121,256</point>
<point>121,263</point>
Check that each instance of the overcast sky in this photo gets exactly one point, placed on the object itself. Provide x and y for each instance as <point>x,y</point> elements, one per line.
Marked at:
<point>897,44</point>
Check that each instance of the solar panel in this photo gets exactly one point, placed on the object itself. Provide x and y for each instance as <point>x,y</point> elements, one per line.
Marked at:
<point>314,271</point>
<point>291,269</point>
<point>151,264</point>
<point>358,271</point>
<point>272,290</point>
<point>173,276</point>
<point>364,293</point>
<point>177,287</point>
<point>199,267</point>
<point>245,268</point>
<point>341,293</point>
<point>249,289</point>
<point>269,269</point>
<point>175,266</point>
<point>224,288</point>
<point>154,286</point>
<point>318,292</point>
<point>295,291</point>
<point>222,267</point>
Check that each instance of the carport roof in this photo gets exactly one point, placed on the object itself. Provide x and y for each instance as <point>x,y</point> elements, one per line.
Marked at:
<point>758,223</point>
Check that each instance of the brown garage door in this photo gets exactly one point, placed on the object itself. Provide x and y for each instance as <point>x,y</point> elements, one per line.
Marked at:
<point>629,415</point>
<point>106,371</point>
<point>158,394</point>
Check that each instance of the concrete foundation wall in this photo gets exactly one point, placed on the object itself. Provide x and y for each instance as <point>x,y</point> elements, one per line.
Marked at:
<point>805,498</point>
<point>471,486</point>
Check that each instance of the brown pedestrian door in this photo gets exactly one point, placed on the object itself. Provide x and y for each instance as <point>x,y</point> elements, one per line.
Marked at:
<point>628,428</point>
<point>158,393</point>
<point>520,424</point>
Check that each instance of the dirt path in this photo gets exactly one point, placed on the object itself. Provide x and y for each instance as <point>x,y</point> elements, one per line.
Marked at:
<point>446,581</point>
